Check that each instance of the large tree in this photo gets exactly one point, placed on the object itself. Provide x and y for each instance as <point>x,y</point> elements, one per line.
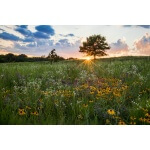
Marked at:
<point>95,46</point>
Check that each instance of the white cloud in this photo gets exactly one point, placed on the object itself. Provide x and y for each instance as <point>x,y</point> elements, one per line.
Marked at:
<point>119,48</point>
<point>119,45</point>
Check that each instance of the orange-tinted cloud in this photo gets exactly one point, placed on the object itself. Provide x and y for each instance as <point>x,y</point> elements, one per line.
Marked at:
<point>4,52</point>
<point>142,45</point>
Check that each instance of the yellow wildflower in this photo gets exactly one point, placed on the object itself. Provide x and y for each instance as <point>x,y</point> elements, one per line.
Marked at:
<point>133,123</point>
<point>117,94</point>
<point>91,92</point>
<point>21,112</point>
<point>121,122</point>
<point>145,110</point>
<point>99,93</point>
<point>142,119</point>
<point>132,118</point>
<point>148,120</point>
<point>35,113</point>
<point>93,88</point>
<point>107,91</point>
<point>111,112</point>
<point>147,115</point>
<point>91,101</point>
<point>85,105</point>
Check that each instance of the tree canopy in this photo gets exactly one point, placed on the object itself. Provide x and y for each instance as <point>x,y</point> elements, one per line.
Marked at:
<point>95,46</point>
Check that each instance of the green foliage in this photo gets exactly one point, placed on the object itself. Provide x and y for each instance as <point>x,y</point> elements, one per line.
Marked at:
<point>95,46</point>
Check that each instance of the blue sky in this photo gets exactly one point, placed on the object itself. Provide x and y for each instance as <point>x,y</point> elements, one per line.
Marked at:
<point>38,40</point>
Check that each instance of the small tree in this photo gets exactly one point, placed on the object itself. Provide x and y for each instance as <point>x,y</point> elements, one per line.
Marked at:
<point>95,46</point>
<point>52,55</point>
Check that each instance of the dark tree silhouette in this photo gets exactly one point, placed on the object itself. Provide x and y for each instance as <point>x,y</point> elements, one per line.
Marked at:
<point>95,46</point>
<point>24,58</point>
<point>21,58</point>
<point>10,57</point>
<point>53,57</point>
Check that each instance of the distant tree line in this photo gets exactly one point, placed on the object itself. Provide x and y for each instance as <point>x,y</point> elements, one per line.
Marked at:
<point>52,57</point>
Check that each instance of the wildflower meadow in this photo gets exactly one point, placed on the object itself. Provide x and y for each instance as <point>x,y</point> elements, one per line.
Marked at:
<point>112,91</point>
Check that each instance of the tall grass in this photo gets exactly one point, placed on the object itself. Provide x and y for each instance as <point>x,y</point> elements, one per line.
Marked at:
<point>107,91</point>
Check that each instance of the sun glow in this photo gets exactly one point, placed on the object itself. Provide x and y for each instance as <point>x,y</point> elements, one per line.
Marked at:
<point>88,59</point>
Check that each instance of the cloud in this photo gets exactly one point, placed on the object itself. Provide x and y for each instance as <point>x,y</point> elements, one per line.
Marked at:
<point>45,29</point>
<point>29,39</point>
<point>70,34</point>
<point>38,47</point>
<point>8,36</point>
<point>119,48</point>
<point>22,26</point>
<point>44,42</point>
<point>41,35</point>
<point>63,43</point>
<point>142,45</point>
<point>4,52</point>
<point>143,26</point>
<point>43,32</point>
<point>31,44</point>
<point>6,44</point>
<point>119,45</point>
<point>67,35</point>
<point>127,25</point>
<point>24,31</point>
<point>2,29</point>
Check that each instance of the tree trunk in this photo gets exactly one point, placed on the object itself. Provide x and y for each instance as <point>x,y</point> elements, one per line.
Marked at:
<point>94,57</point>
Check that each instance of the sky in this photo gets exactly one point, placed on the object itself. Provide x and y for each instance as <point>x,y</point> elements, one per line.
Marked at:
<point>39,40</point>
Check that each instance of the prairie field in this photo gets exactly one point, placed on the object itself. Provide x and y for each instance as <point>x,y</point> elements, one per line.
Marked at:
<point>112,91</point>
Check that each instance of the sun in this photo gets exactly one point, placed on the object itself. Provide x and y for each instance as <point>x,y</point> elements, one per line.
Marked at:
<point>88,59</point>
